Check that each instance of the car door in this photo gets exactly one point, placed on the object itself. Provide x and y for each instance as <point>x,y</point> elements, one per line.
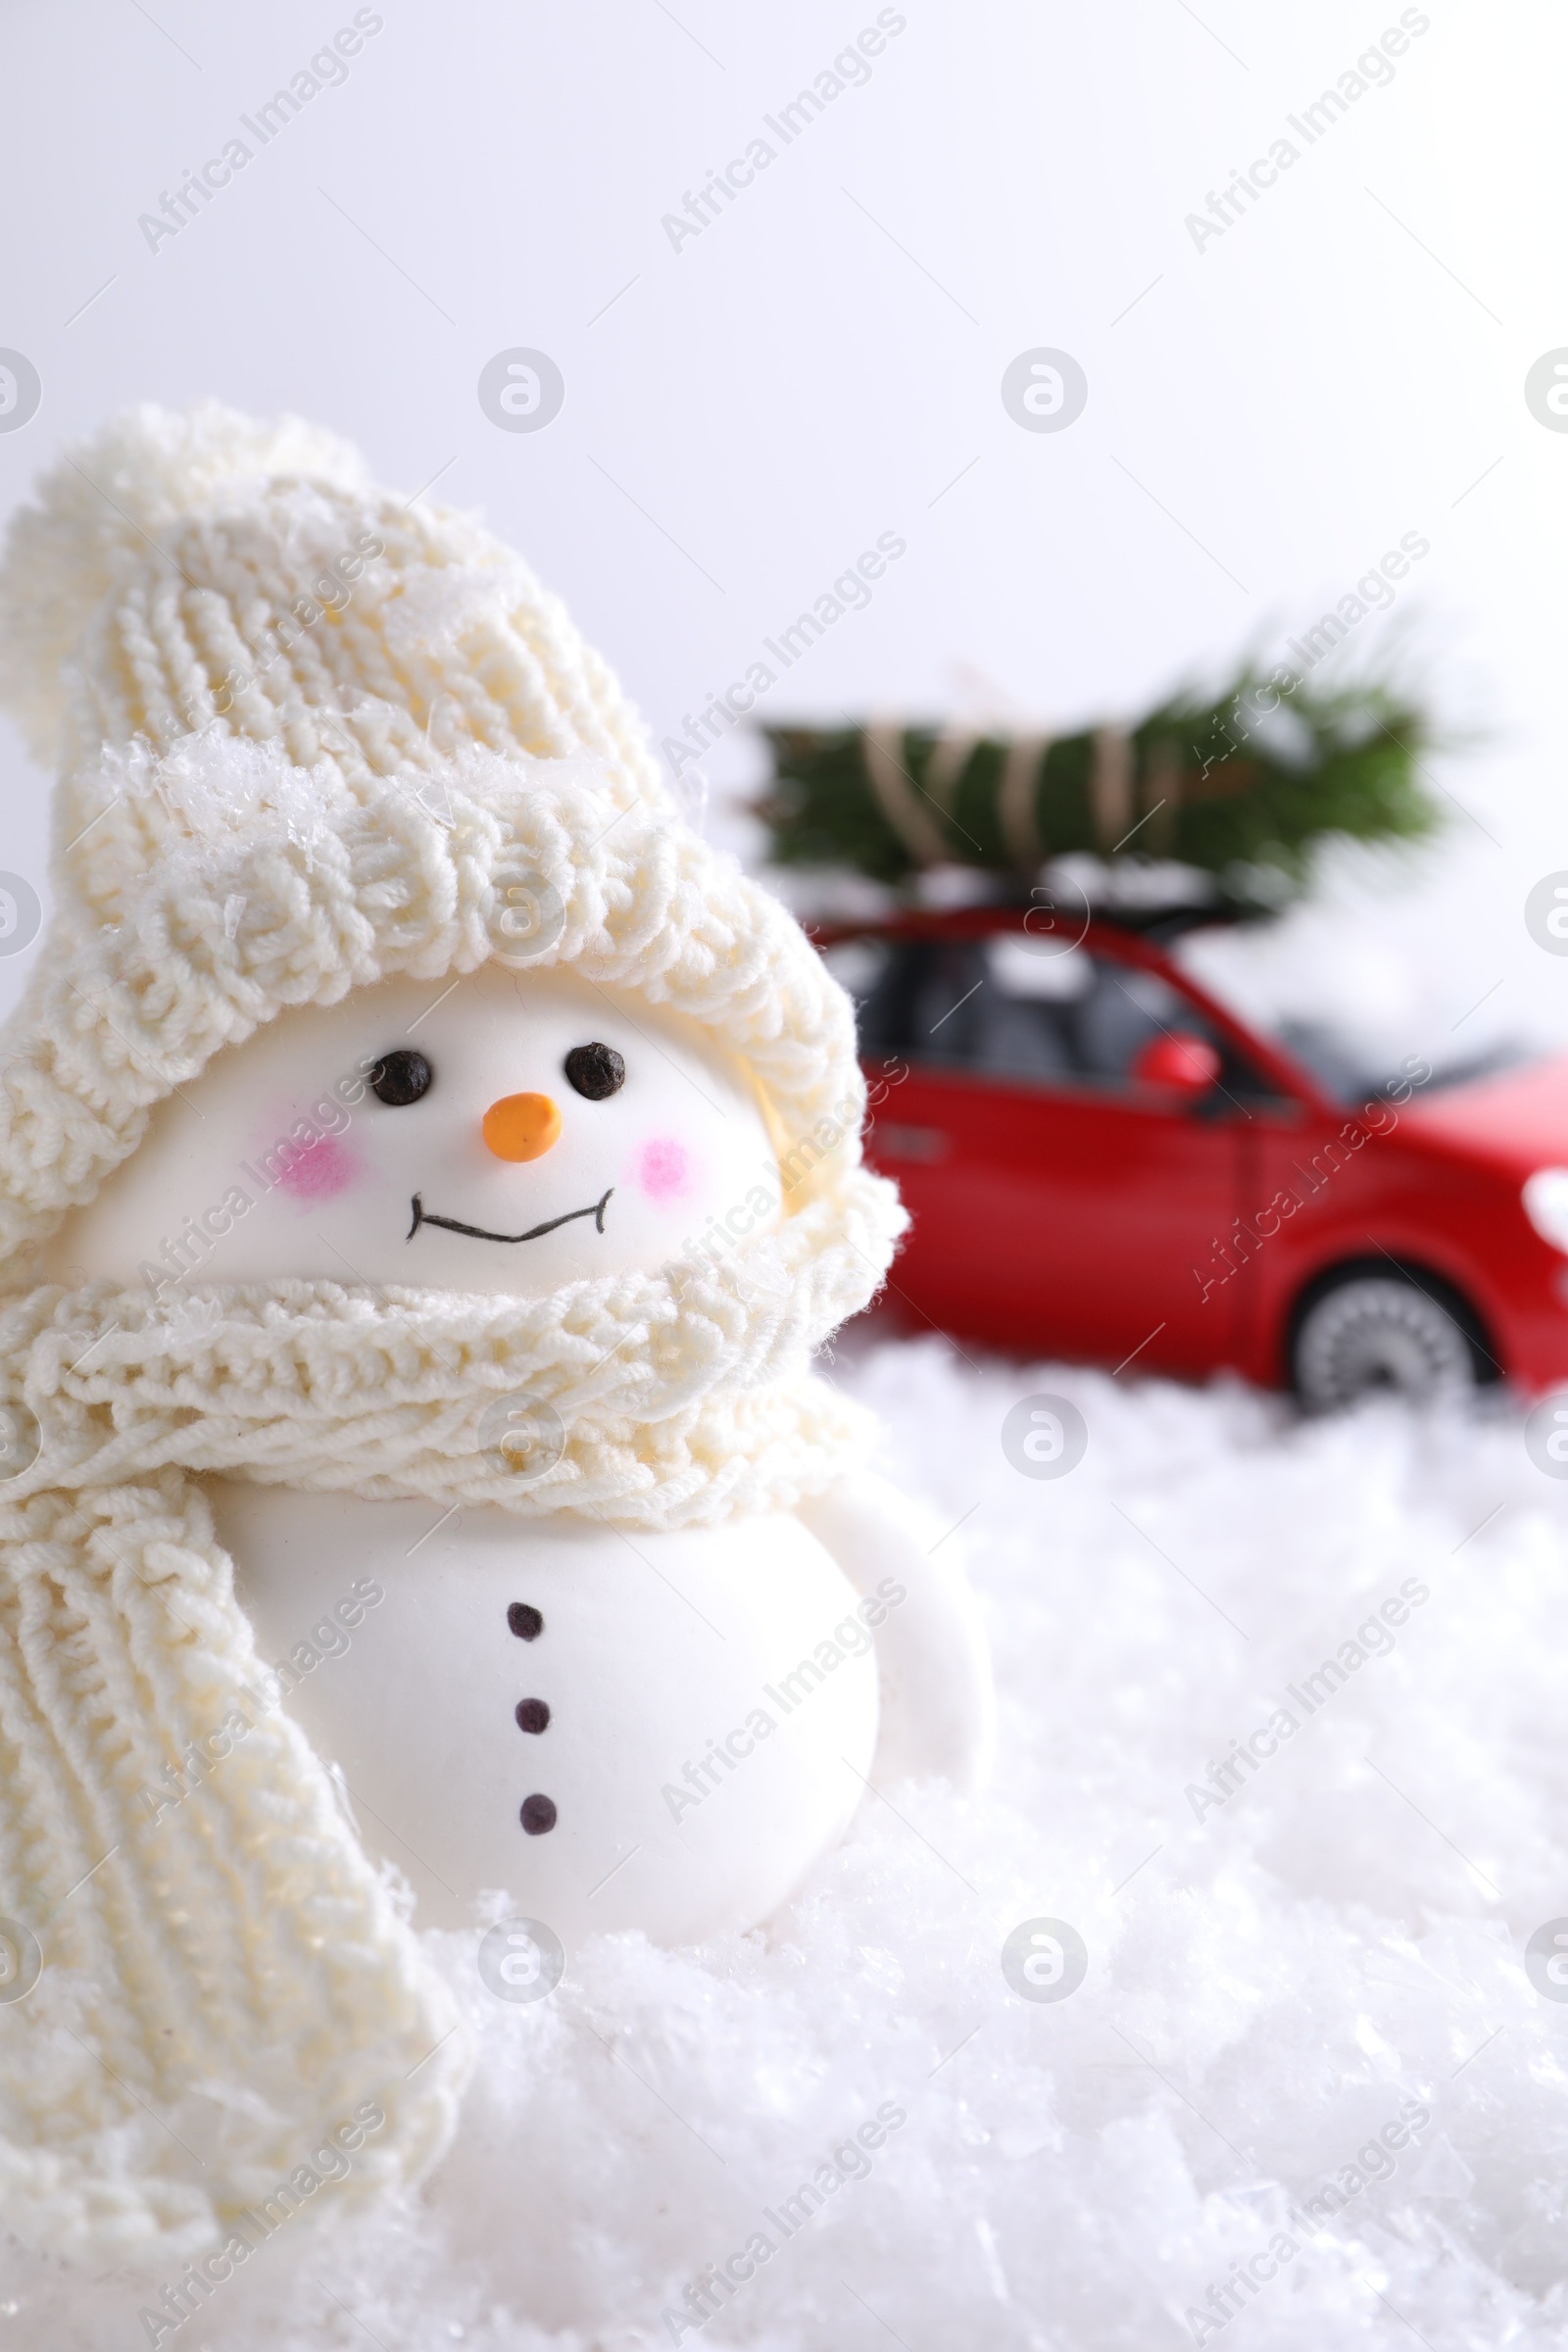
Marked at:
<point>1057,1202</point>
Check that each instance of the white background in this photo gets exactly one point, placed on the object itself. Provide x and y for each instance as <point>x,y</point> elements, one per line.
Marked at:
<point>1267,416</point>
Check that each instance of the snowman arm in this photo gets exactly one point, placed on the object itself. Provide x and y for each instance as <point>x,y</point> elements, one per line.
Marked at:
<point>937,1704</point>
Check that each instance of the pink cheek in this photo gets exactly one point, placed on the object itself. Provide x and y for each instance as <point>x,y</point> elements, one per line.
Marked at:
<point>665,1169</point>
<point>320,1171</point>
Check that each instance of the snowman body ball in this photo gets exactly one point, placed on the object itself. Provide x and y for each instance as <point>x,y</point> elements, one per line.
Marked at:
<point>430,1176</point>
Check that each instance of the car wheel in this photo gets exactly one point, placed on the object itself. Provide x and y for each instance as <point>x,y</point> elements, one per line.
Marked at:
<point>1374,1331</point>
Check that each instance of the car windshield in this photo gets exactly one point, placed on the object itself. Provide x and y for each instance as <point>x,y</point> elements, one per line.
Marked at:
<point>1352,1067</point>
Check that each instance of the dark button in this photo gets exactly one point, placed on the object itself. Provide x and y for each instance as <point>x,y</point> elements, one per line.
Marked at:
<point>538,1815</point>
<point>532,1715</point>
<point>526,1623</point>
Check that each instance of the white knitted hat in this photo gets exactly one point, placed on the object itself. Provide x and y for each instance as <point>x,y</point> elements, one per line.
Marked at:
<point>313,737</point>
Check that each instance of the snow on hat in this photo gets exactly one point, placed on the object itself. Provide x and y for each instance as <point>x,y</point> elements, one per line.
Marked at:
<point>311,735</point>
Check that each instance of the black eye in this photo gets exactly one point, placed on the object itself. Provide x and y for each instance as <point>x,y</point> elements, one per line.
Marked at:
<point>595,1071</point>
<point>400,1077</point>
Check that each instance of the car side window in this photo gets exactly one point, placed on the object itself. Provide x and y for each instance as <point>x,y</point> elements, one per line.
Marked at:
<point>1002,1007</point>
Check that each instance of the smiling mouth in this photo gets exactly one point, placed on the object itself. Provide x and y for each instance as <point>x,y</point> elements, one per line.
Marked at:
<point>423,1216</point>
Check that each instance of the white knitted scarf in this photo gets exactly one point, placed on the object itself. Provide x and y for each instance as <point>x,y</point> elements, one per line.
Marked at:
<point>226,1977</point>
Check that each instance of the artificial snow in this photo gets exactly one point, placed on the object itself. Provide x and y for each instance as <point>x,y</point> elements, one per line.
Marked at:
<point>1305,2015</point>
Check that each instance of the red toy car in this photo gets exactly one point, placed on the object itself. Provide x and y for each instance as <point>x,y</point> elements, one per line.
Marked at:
<point>1101,1161</point>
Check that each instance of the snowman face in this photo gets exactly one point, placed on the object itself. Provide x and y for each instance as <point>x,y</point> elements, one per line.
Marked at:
<point>504,1134</point>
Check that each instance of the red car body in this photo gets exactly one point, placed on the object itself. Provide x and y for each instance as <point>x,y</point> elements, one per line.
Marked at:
<point>1114,1219</point>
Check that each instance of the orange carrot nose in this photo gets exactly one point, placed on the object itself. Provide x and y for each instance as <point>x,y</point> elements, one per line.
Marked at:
<point>521,1126</point>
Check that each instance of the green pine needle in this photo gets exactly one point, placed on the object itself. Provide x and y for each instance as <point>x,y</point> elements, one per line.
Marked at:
<point>1259,778</point>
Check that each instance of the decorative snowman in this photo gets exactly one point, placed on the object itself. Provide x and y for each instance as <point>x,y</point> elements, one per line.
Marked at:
<point>426,1172</point>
